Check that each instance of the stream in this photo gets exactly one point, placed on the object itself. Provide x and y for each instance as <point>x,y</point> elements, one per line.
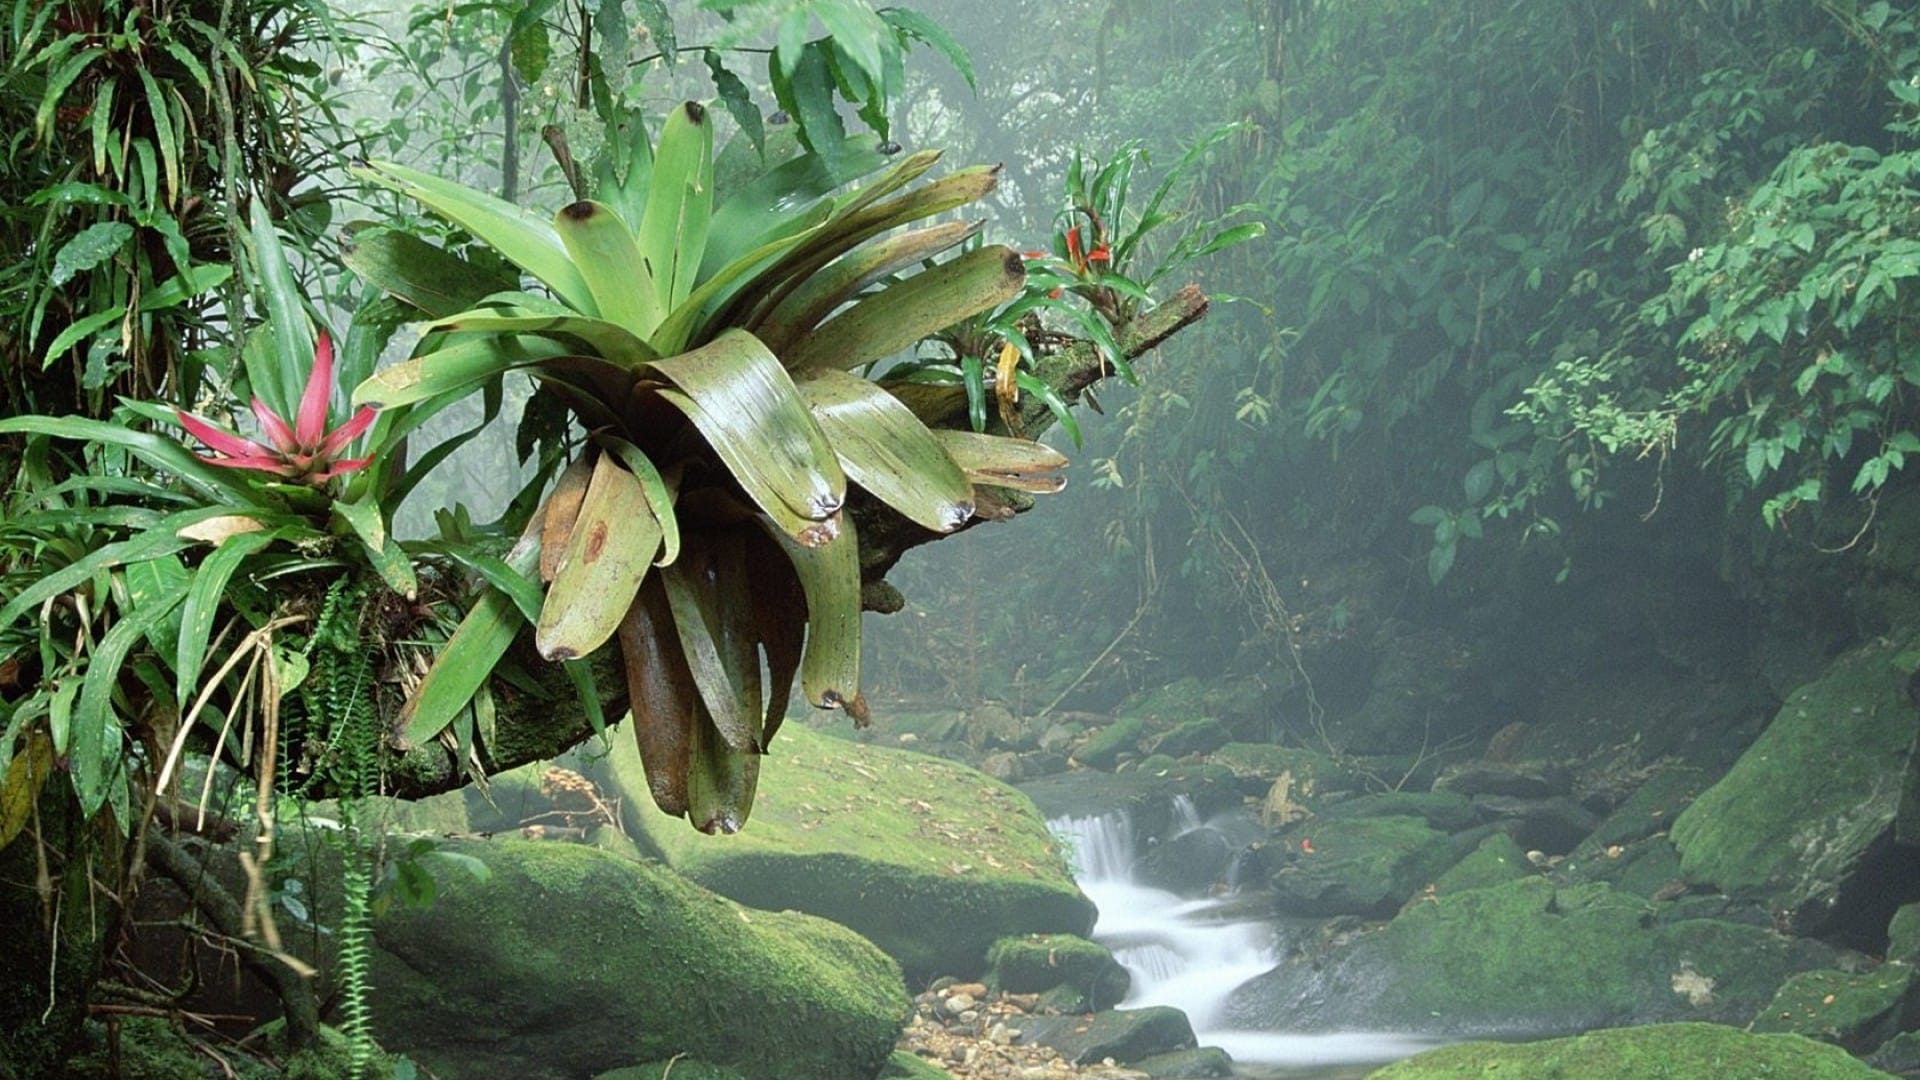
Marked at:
<point>1192,954</point>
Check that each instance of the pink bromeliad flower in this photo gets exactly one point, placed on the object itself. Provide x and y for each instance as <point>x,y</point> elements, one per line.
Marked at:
<point>306,453</point>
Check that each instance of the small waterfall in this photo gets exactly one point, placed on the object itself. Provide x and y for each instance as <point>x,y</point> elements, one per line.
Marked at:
<point>1192,954</point>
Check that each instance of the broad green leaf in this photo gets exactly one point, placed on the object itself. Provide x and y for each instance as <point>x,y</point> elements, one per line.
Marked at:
<point>999,461</point>
<point>830,577</point>
<point>885,449</point>
<point>526,240</point>
<point>455,367</point>
<point>660,494</point>
<point>364,517</point>
<point>429,278</point>
<point>775,204</point>
<point>20,789</point>
<point>896,318</point>
<point>210,481</point>
<point>720,780</point>
<point>616,343</point>
<point>81,329</point>
<point>89,248</point>
<point>714,621</point>
<point>57,84</point>
<point>921,28</point>
<point>612,546</point>
<point>746,406</point>
<point>603,248</point>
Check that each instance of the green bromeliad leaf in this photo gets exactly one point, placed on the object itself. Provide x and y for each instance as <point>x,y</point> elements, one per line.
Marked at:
<point>898,317</point>
<point>885,449</point>
<point>746,406</point>
<point>614,541</point>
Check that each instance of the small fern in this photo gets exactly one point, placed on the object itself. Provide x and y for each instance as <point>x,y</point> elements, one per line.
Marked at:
<point>338,698</point>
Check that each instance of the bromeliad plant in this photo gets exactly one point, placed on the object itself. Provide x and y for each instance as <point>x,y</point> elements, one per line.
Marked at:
<point>708,333</point>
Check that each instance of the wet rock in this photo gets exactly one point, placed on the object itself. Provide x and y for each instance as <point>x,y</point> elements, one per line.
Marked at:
<point>556,925</point>
<point>1903,934</point>
<point>1125,1035</point>
<point>1554,825</point>
<point>1446,811</point>
<point>1205,1063</point>
<point>1858,1011</point>
<point>1037,963</point>
<point>1005,766</point>
<point>1202,736</point>
<point>1146,799</point>
<point>1519,779</point>
<point>1636,1053</point>
<point>1189,864</point>
<point>1059,735</point>
<point>993,727</point>
<point>1103,750</point>
<point>1528,956</point>
<point>677,1069</point>
<point>1310,775</point>
<point>1899,1055</point>
<point>1495,861</point>
<point>1364,866</point>
<point>1804,822</point>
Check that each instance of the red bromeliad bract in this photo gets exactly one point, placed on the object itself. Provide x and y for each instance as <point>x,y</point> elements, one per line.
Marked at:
<point>306,453</point>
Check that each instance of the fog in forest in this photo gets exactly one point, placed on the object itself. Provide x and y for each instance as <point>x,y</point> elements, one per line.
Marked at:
<point>457,448</point>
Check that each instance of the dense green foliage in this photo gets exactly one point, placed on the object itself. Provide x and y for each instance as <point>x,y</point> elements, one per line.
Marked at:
<point>1532,271</point>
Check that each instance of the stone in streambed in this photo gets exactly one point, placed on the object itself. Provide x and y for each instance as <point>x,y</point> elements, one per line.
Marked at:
<point>1125,1035</point>
<point>1654,1052</point>
<point>1041,962</point>
<point>1856,1010</point>
<point>1204,1063</point>
<point>1363,866</point>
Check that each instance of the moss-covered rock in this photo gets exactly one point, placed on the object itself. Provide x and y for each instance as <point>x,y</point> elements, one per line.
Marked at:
<point>567,961</point>
<point>1656,1052</point>
<point>930,860</point>
<point>1899,1055</point>
<point>1360,866</point>
<point>1311,775</point>
<point>1802,821</point>
<point>1857,1010</point>
<point>1446,811</point>
<point>1524,957</point>
<point>1497,860</point>
<point>1202,736</point>
<point>1040,962</point>
<point>678,1069</point>
<point>1103,750</point>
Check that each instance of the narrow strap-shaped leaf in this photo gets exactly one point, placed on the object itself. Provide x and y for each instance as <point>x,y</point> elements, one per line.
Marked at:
<point>562,512</point>
<point>527,240</point>
<point>660,694</point>
<point>720,780</point>
<point>612,546</point>
<point>461,668</point>
<point>894,319</point>
<point>840,281</point>
<point>364,518</point>
<point>746,406</point>
<point>93,744</point>
<point>660,493</point>
<point>202,605</point>
<point>163,539</point>
<point>830,578</point>
<point>603,247</point>
<point>695,318</point>
<point>278,374</point>
<point>885,449</point>
<point>780,622</point>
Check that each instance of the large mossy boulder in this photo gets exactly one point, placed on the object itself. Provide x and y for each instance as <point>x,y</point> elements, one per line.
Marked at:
<point>1361,866</point>
<point>567,961</point>
<point>1125,1035</point>
<point>1804,820</point>
<point>1040,962</point>
<point>1657,1052</point>
<point>1527,957</point>
<point>930,860</point>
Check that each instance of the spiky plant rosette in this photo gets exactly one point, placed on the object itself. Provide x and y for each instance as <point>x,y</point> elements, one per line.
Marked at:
<point>713,349</point>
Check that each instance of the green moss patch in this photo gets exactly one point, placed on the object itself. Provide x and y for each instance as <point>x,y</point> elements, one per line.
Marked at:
<point>1656,1052</point>
<point>1856,1010</point>
<point>1040,962</point>
<point>930,860</point>
<point>1360,866</point>
<point>568,961</point>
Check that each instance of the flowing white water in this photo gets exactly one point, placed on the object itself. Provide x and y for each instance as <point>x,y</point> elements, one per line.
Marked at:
<point>1192,954</point>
